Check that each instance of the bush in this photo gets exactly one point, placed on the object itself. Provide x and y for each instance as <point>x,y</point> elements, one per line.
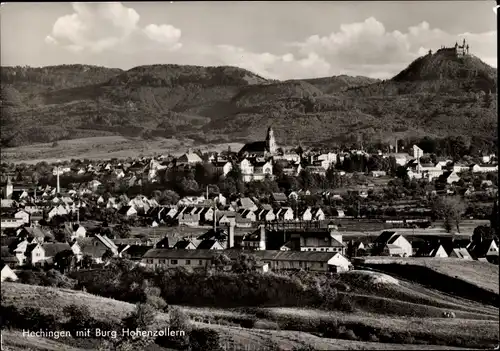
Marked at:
<point>349,335</point>
<point>204,340</point>
<point>157,302</point>
<point>269,325</point>
<point>373,338</point>
<point>142,318</point>
<point>79,318</point>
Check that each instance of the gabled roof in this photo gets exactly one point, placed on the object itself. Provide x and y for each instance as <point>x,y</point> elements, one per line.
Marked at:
<point>206,244</point>
<point>384,237</point>
<point>51,249</point>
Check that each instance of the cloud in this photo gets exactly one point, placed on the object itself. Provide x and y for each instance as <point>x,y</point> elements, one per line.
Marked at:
<point>273,66</point>
<point>367,47</point>
<point>110,33</point>
<point>98,27</point>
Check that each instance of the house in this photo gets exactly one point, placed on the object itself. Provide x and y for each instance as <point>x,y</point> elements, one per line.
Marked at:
<point>10,222</point>
<point>401,158</point>
<point>277,260</point>
<point>164,243</point>
<point>189,220</point>
<point>57,211</point>
<point>318,214</point>
<point>134,252</point>
<point>306,215</point>
<point>310,261</point>
<point>247,214</point>
<point>316,170</point>
<point>226,218</point>
<point>262,169</point>
<point>319,241</point>
<point>392,244</point>
<point>7,273</point>
<point>485,249</point>
<point>256,240</point>
<point>207,214</point>
<point>94,185</point>
<point>247,204</point>
<point>449,177</point>
<point>484,168</point>
<point>432,250</point>
<point>279,197</point>
<point>76,231</point>
<point>460,253</point>
<point>377,174</point>
<point>97,246</point>
<point>222,167</point>
<point>52,249</point>
<point>189,158</point>
<point>23,216</point>
<point>209,244</point>
<point>266,215</point>
<point>178,258</point>
<point>9,257</point>
<point>285,214</point>
<point>127,211</point>
<point>35,254</point>
<point>185,244</point>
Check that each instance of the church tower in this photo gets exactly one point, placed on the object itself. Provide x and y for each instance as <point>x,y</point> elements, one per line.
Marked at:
<point>271,142</point>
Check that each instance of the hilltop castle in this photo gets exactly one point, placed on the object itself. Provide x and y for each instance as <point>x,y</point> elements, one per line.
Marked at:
<point>459,50</point>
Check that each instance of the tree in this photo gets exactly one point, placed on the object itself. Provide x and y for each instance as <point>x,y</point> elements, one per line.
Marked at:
<point>86,261</point>
<point>244,263</point>
<point>450,210</point>
<point>142,318</point>
<point>107,256</point>
<point>494,218</point>
<point>169,197</point>
<point>65,260</point>
<point>481,233</point>
<point>122,230</point>
<point>220,260</point>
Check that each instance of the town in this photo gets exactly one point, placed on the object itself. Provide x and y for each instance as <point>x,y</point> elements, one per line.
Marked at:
<point>198,177</point>
<point>294,209</point>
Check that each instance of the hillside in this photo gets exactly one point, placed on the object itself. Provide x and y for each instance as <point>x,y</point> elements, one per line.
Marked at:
<point>437,95</point>
<point>298,327</point>
<point>336,84</point>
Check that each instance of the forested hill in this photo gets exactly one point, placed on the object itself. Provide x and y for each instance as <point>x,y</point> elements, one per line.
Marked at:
<point>438,95</point>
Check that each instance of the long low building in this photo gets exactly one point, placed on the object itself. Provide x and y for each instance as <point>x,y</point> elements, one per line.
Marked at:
<point>277,260</point>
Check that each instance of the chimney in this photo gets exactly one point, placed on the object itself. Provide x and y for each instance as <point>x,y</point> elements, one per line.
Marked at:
<point>58,191</point>
<point>262,241</point>
<point>230,239</point>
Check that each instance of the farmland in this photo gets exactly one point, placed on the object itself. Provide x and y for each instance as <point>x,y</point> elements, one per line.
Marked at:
<point>104,147</point>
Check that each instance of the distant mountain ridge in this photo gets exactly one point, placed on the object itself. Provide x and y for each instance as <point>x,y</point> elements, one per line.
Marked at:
<point>437,95</point>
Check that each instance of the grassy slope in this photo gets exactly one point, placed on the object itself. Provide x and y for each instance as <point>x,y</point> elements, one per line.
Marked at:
<point>15,341</point>
<point>26,295</point>
<point>483,275</point>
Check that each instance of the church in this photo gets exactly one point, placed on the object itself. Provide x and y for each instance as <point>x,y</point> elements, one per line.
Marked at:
<point>264,149</point>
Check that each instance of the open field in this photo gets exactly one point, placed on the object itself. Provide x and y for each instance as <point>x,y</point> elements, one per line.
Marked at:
<point>104,148</point>
<point>234,337</point>
<point>480,274</point>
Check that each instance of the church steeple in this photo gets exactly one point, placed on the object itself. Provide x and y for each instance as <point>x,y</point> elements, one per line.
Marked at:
<point>270,141</point>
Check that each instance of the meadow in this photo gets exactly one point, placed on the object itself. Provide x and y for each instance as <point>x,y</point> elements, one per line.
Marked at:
<point>105,148</point>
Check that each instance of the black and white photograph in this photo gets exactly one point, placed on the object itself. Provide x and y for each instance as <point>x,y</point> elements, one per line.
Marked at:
<point>249,175</point>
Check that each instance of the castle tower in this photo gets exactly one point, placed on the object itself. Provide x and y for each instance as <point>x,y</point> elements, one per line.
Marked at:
<point>9,189</point>
<point>271,141</point>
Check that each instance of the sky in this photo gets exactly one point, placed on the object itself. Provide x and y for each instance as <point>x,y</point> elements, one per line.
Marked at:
<point>277,40</point>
